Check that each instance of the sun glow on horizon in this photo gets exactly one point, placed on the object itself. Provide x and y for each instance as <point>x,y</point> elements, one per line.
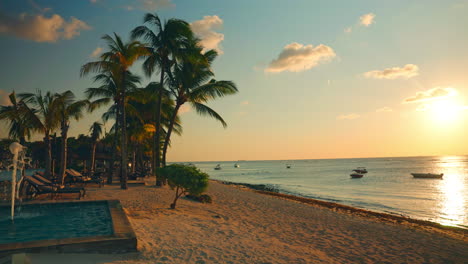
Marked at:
<point>445,111</point>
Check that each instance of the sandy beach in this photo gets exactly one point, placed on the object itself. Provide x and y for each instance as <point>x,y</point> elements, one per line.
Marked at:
<point>243,226</point>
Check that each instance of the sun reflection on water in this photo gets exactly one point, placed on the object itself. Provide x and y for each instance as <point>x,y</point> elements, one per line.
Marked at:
<point>452,190</point>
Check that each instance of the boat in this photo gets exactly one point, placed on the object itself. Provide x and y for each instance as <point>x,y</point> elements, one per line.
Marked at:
<point>218,167</point>
<point>236,165</point>
<point>361,170</point>
<point>288,166</point>
<point>356,175</point>
<point>428,175</point>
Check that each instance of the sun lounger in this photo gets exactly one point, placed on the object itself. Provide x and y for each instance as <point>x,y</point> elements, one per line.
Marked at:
<point>79,178</point>
<point>38,187</point>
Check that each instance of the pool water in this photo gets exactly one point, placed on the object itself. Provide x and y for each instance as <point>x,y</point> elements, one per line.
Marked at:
<point>55,221</point>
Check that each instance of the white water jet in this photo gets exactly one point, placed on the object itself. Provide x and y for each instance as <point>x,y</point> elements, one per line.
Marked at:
<point>15,148</point>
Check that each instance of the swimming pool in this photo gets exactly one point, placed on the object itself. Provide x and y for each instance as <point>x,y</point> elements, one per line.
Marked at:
<point>66,227</point>
<point>55,221</point>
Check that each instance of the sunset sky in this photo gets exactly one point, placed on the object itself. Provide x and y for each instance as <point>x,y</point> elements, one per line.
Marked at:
<point>317,79</point>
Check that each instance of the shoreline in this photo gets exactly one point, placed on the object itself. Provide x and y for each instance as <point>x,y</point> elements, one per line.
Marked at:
<point>265,189</point>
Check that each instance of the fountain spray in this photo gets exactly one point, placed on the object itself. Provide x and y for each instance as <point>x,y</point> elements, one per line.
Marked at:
<point>15,148</point>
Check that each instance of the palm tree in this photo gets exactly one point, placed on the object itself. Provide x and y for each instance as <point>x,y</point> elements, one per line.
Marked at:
<point>67,108</point>
<point>164,44</point>
<point>16,114</point>
<point>191,82</point>
<point>96,132</point>
<point>116,63</point>
<point>44,120</point>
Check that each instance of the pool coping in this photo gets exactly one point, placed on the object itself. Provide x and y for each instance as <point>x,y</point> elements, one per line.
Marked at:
<point>121,241</point>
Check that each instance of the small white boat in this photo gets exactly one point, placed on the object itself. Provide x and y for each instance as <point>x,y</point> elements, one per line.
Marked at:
<point>218,167</point>
<point>236,165</point>
<point>361,170</point>
<point>428,175</point>
<point>356,175</point>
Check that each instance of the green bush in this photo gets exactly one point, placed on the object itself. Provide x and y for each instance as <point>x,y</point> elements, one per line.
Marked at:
<point>184,180</point>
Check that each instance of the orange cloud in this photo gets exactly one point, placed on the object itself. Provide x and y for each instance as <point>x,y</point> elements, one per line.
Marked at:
<point>204,29</point>
<point>4,100</point>
<point>296,57</point>
<point>40,28</point>
<point>96,52</point>
<point>407,71</point>
<point>431,94</point>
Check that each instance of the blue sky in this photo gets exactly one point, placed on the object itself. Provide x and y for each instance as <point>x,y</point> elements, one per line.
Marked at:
<point>344,100</point>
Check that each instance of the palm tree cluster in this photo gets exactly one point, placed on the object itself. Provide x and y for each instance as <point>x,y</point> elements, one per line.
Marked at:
<point>144,117</point>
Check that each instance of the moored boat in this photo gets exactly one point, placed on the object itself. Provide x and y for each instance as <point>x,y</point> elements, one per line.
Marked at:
<point>361,170</point>
<point>356,175</point>
<point>428,175</point>
<point>236,165</point>
<point>218,167</point>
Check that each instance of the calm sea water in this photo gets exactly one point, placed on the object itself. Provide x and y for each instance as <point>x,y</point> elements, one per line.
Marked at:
<point>388,187</point>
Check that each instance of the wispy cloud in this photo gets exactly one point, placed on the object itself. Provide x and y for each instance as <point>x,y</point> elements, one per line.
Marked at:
<point>205,30</point>
<point>296,57</point>
<point>431,94</point>
<point>4,100</point>
<point>146,5</point>
<point>385,109</point>
<point>407,71</point>
<point>96,52</point>
<point>367,19</point>
<point>245,102</point>
<point>40,28</point>
<point>348,116</point>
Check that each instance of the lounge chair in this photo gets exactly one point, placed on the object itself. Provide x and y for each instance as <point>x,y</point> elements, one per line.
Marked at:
<point>38,187</point>
<point>80,178</point>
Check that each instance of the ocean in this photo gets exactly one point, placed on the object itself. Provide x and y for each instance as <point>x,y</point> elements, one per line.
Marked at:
<point>388,186</point>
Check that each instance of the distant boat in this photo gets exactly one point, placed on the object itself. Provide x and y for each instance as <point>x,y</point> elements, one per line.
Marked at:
<point>218,167</point>
<point>428,175</point>
<point>236,165</point>
<point>361,170</point>
<point>356,175</point>
<point>288,166</point>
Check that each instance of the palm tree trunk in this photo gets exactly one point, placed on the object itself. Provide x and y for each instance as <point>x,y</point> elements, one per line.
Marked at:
<point>93,157</point>
<point>48,155</point>
<point>114,149</point>
<point>123,138</point>
<point>169,132</point>
<point>63,154</point>
<point>157,140</point>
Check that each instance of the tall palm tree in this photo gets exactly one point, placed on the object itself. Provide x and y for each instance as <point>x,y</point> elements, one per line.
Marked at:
<point>16,114</point>
<point>164,44</point>
<point>191,81</point>
<point>117,62</point>
<point>67,108</point>
<point>45,120</point>
<point>96,132</point>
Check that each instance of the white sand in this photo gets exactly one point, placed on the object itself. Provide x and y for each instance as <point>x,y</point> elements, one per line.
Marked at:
<point>242,226</point>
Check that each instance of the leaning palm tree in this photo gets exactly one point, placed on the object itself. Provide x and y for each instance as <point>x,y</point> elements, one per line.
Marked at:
<point>16,114</point>
<point>191,81</point>
<point>67,108</point>
<point>45,119</point>
<point>116,62</point>
<point>164,43</point>
<point>96,132</point>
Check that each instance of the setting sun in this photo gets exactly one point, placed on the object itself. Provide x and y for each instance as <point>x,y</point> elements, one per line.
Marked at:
<point>445,111</point>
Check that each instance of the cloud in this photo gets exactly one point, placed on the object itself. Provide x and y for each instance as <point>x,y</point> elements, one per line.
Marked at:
<point>146,5</point>
<point>348,116</point>
<point>4,100</point>
<point>204,29</point>
<point>431,94</point>
<point>423,108</point>
<point>384,109</point>
<point>40,28</point>
<point>96,52</point>
<point>407,71</point>
<point>244,102</point>
<point>367,19</point>
<point>296,57</point>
